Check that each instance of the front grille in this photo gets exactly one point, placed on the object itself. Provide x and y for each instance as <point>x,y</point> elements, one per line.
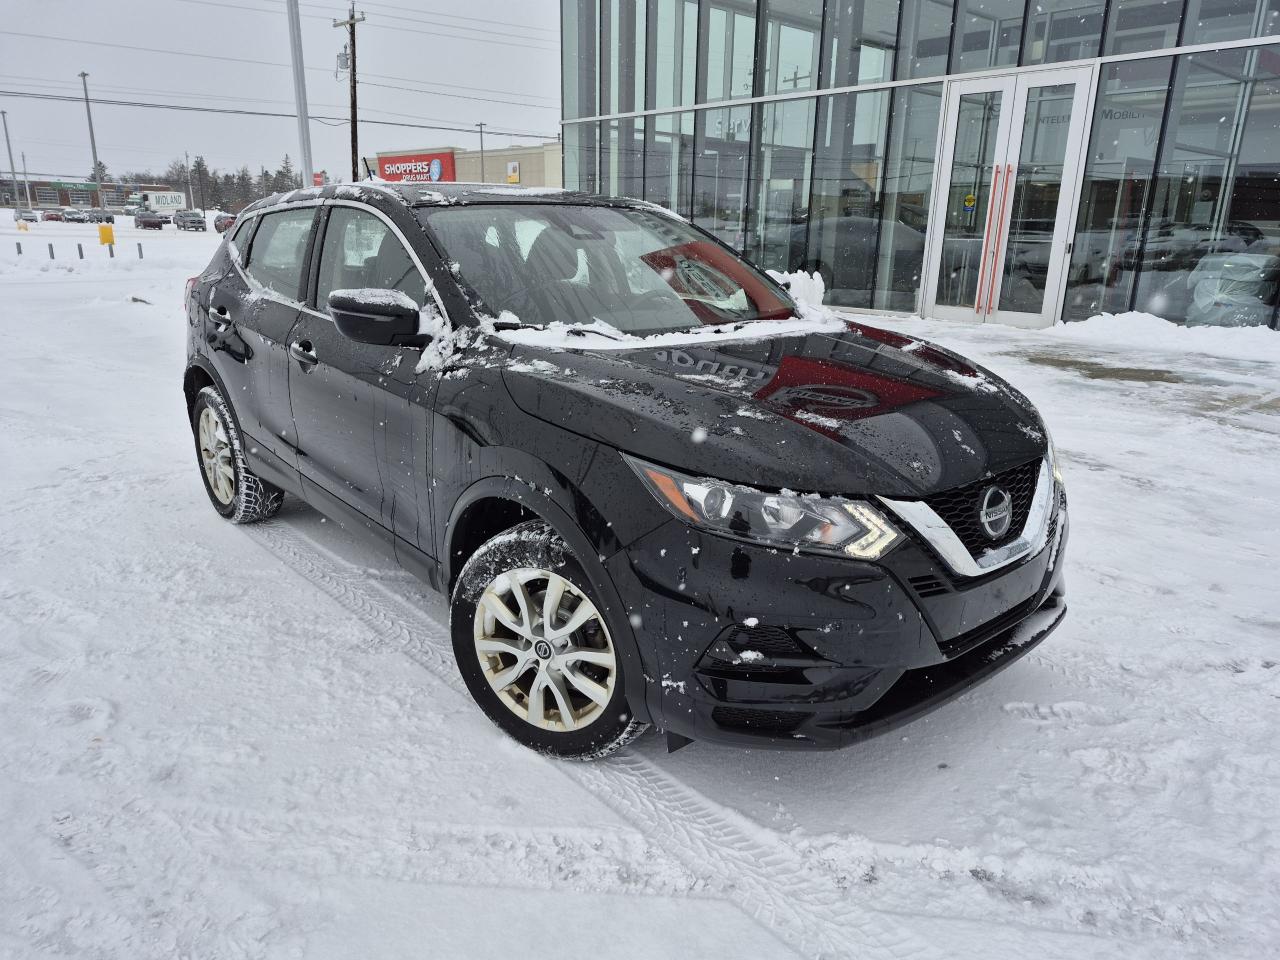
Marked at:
<point>775,722</point>
<point>960,507</point>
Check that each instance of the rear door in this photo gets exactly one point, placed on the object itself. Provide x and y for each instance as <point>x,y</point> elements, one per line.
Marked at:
<point>254,323</point>
<point>357,426</point>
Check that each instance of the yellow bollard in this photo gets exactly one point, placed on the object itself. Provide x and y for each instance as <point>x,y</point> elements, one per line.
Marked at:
<point>106,235</point>
<point>22,225</point>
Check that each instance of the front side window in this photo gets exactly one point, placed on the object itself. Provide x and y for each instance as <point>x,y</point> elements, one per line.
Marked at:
<point>279,246</point>
<point>637,271</point>
<point>360,252</point>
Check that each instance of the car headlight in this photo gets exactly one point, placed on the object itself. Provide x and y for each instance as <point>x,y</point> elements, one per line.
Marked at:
<point>1053,460</point>
<point>831,525</point>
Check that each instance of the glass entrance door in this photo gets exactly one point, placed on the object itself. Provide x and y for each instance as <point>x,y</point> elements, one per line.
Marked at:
<point>1008,175</point>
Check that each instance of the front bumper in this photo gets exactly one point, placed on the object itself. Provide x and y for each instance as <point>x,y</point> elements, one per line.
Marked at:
<point>759,646</point>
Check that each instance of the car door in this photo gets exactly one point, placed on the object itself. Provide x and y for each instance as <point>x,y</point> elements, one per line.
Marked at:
<point>251,312</point>
<point>351,402</point>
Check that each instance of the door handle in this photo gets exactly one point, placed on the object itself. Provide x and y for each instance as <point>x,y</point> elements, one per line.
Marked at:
<point>986,237</point>
<point>995,250</point>
<point>304,353</point>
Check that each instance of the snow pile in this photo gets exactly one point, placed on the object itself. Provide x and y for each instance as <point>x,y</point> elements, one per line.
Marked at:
<point>1143,331</point>
<point>805,288</point>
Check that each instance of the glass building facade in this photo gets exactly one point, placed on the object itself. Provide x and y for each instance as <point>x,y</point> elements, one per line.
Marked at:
<point>1026,161</point>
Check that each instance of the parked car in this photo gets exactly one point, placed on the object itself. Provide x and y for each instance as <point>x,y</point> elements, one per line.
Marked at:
<point>612,518</point>
<point>26,216</point>
<point>148,220</point>
<point>99,215</point>
<point>74,215</point>
<point>190,220</point>
<point>51,215</point>
<point>131,210</point>
<point>223,221</point>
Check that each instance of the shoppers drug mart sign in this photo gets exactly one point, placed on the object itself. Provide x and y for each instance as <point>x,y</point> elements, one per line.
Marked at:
<point>417,167</point>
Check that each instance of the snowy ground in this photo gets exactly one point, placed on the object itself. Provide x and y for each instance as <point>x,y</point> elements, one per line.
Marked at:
<point>252,742</point>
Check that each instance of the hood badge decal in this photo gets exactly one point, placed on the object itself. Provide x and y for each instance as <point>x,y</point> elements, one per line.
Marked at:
<point>996,512</point>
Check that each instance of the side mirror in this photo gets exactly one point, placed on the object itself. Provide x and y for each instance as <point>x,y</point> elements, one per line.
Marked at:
<point>387,318</point>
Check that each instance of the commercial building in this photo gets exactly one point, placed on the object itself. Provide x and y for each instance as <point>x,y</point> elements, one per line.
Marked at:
<point>529,166</point>
<point>68,193</point>
<point>1024,161</point>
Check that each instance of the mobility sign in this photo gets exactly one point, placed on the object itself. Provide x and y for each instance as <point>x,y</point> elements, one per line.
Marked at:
<point>417,167</point>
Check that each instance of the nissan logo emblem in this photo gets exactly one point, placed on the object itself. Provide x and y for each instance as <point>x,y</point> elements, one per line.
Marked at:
<point>996,512</point>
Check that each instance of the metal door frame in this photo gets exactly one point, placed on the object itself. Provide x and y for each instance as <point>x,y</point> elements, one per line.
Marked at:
<point>1015,86</point>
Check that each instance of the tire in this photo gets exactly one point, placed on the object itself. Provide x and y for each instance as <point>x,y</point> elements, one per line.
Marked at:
<point>525,678</point>
<point>235,491</point>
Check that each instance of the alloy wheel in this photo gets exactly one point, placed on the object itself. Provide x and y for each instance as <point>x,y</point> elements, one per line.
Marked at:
<point>215,456</point>
<point>544,649</point>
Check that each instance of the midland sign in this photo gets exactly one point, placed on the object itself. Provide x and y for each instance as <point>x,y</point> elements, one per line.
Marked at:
<point>417,167</point>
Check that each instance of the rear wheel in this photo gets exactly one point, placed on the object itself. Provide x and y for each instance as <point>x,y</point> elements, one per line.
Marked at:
<point>235,491</point>
<point>536,651</point>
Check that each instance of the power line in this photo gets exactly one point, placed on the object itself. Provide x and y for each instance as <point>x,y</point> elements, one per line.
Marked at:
<point>486,38</point>
<point>451,16</point>
<point>260,113</point>
<point>118,88</point>
<point>186,54</point>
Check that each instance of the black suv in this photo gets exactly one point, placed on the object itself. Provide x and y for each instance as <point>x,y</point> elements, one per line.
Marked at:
<point>655,489</point>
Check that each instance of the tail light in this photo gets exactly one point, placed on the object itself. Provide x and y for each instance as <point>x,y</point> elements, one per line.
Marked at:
<point>191,286</point>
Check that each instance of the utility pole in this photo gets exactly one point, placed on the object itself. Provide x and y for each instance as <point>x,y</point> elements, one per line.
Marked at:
<point>93,144</point>
<point>300,90</point>
<point>17,199</point>
<point>26,184</point>
<point>482,126</point>
<point>190,199</point>
<point>350,24</point>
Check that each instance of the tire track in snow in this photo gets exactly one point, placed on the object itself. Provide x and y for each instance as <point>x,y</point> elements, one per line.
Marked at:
<point>762,874</point>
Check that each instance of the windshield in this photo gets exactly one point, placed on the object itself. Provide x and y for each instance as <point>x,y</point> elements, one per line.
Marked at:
<point>637,271</point>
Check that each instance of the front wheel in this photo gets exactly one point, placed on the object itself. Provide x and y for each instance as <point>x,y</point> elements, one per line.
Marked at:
<point>535,650</point>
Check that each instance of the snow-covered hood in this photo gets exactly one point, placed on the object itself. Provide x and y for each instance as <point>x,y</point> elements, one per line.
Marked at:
<point>824,407</point>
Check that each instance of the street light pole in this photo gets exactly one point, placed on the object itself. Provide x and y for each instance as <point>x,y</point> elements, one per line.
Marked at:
<point>300,91</point>
<point>17,200</point>
<point>93,144</point>
<point>350,24</point>
<point>482,177</point>
<point>26,184</point>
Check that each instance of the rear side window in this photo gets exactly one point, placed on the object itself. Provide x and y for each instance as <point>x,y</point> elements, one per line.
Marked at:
<point>275,259</point>
<point>361,251</point>
<point>240,235</point>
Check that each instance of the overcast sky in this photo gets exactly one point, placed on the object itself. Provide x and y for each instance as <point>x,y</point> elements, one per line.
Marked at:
<point>503,52</point>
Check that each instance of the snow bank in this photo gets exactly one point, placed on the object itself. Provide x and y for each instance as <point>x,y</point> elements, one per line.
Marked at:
<point>1143,331</point>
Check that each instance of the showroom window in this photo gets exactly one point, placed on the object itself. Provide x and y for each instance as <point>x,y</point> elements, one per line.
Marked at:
<point>668,162</point>
<point>924,38</point>
<point>780,183</point>
<point>727,29</point>
<point>580,156</point>
<point>792,41</point>
<point>622,157</point>
<point>622,42</point>
<point>673,53</point>
<point>1061,30</point>
<point>1137,25</point>
<point>905,195</point>
<point>844,225</point>
<point>1116,186</point>
<point>861,40</point>
<point>1211,250</point>
<point>578,51</point>
<point>721,150</point>
<point>988,34</point>
<point>1212,21</point>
